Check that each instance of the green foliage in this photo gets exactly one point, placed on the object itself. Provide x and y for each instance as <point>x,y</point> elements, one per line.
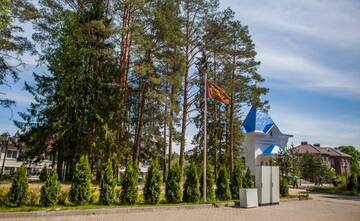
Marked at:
<point>172,188</point>
<point>191,185</point>
<point>223,185</point>
<point>352,183</point>
<point>43,174</point>
<point>152,188</point>
<point>284,186</point>
<point>50,191</point>
<point>313,167</point>
<point>248,181</point>
<point>107,185</point>
<point>19,188</point>
<point>355,158</point>
<point>129,186</point>
<point>210,183</point>
<point>80,192</point>
<point>236,180</point>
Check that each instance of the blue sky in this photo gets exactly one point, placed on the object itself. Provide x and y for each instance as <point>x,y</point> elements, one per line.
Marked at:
<point>309,52</point>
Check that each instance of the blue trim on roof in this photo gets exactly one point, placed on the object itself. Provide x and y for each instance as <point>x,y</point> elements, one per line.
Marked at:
<point>269,151</point>
<point>257,120</point>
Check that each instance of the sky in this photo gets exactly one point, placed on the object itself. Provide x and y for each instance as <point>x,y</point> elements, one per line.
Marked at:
<point>309,52</point>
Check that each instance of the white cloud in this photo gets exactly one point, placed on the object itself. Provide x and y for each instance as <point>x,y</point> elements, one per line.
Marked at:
<point>330,21</point>
<point>343,130</point>
<point>300,72</point>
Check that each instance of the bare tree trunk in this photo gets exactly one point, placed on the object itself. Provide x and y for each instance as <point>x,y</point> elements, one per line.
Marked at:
<point>165,144</point>
<point>4,159</point>
<point>136,147</point>
<point>124,64</point>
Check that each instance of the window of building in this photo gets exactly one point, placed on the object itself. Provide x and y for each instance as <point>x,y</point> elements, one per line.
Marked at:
<point>12,154</point>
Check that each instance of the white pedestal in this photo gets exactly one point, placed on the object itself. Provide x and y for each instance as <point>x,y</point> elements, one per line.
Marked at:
<point>248,198</point>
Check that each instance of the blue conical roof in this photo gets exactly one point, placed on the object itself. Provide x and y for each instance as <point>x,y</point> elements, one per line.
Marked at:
<point>257,120</point>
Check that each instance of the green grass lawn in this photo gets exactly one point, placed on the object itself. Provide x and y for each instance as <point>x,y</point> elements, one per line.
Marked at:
<point>333,190</point>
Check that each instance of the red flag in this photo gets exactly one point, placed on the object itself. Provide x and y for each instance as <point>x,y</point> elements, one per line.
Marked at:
<point>217,93</point>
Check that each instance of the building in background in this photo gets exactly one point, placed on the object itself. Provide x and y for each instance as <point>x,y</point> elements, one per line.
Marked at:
<point>335,159</point>
<point>10,163</point>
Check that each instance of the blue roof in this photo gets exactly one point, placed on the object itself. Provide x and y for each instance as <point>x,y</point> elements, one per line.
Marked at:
<point>257,120</point>
<point>271,150</point>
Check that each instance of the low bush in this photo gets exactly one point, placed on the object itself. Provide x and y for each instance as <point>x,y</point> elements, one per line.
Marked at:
<point>50,190</point>
<point>80,192</point>
<point>107,185</point>
<point>129,186</point>
<point>64,198</point>
<point>172,187</point>
<point>191,185</point>
<point>284,186</point>
<point>210,183</point>
<point>236,181</point>
<point>33,198</point>
<point>223,185</point>
<point>152,188</point>
<point>19,188</point>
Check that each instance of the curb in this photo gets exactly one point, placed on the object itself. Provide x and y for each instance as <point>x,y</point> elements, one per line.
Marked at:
<point>88,212</point>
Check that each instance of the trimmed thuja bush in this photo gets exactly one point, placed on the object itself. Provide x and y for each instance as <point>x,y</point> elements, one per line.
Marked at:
<point>50,190</point>
<point>248,181</point>
<point>236,181</point>
<point>43,174</point>
<point>223,186</point>
<point>129,190</point>
<point>80,192</point>
<point>19,188</point>
<point>172,188</point>
<point>152,184</point>
<point>210,182</point>
<point>191,185</point>
<point>107,185</point>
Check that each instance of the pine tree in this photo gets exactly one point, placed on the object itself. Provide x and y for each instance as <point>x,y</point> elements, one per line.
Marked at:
<point>191,185</point>
<point>107,185</point>
<point>19,188</point>
<point>210,183</point>
<point>80,192</point>
<point>152,188</point>
<point>248,181</point>
<point>129,186</point>
<point>172,188</point>
<point>50,191</point>
<point>236,181</point>
<point>222,185</point>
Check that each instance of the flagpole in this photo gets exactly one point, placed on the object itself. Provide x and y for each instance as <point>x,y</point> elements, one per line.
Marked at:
<point>205,134</point>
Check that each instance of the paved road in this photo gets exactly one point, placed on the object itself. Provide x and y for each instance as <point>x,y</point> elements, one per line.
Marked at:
<point>321,208</point>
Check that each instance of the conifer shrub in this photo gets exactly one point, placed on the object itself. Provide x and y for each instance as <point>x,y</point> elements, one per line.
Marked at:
<point>351,184</point>
<point>107,185</point>
<point>80,191</point>
<point>129,186</point>
<point>50,191</point>
<point>18,193</point>
<point>223,185</point>
<point>284,186</point>
<point>236,180</point>
<point>152,188</point>
<point>191,185</point>
<point>248,181</point>
<point>210,182</point>
<point>172,187</point>
<point>43,174</point>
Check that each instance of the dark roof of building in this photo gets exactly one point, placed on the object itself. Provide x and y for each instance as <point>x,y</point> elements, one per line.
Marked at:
<point>308,148</point>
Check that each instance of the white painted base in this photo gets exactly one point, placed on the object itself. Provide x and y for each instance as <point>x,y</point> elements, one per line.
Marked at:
<point>248,198</point>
